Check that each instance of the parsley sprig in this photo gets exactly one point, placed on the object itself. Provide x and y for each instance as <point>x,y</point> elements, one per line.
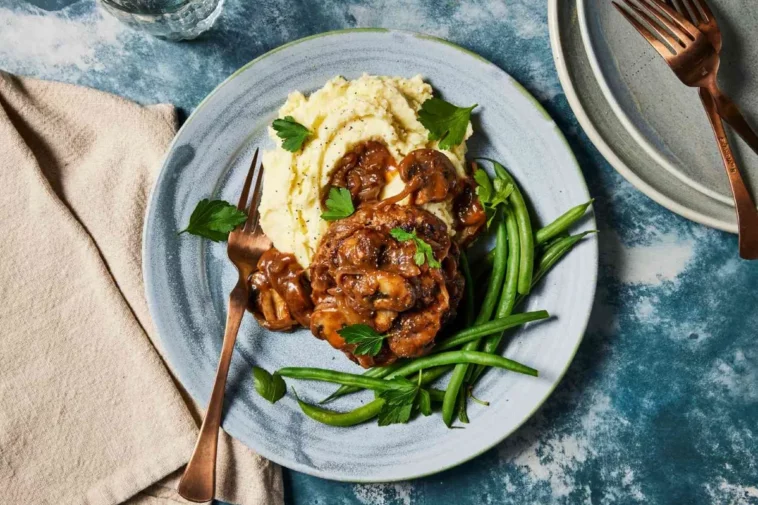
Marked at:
<point>214,219</point>
<point>271,387</point>
<point>368,341</point>
<point>491,192</point>
<point>292,133</point>
<point>424,253</point>
<point>400,401</point>
<point>339,205</point>
<point>445,121</point>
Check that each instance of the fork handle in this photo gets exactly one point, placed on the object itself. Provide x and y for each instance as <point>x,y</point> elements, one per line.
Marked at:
<point>198,484</point>
<point>747,214</point>
<point>728,110</point>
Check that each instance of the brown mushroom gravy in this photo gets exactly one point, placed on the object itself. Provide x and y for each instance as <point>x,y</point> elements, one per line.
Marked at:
<point>363,171</point>
<point>361,274</point>
<point>280,296</point>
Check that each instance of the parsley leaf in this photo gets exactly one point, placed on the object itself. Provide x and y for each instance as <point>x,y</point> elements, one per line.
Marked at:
<point>400,400</point>
<point>444,121</point>
<point>270,387</point>
<point>402,392</point>
<point>484,189</point>
<point>339,205</point>
<point>292,133</point>
<point>419,256</point>
<point>367,340</point>
<point>424,251</point>
<point>492,192</point>
<point>402,235</point>
<point>503,190</point>
<point>214,219</point>
<point>394,415</point>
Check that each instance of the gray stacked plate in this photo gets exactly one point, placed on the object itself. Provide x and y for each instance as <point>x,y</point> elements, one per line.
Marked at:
<point>648,125</point>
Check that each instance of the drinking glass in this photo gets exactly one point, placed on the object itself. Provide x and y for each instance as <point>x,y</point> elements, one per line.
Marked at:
<point>167,19</point>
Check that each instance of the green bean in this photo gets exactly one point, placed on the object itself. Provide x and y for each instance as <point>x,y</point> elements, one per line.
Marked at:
<point>482,330</point>
<point>377,372</point>
<point>508,295</point>
<point>342,419</point>
<point>462,357</point>
<point>510,285</point>
<point>355,416</point>
<point>550,243</point>
<point>371,409</point>
<point>556,252</point>
<point>548,260</point>
<point>348,379</point>
<point>526,235</point>
<point>461,409</point>
<point>361,381</point>
<point>437,395</point>
<point>428,375</point>
<point>483,265</point>
<point>542,269</point>
<point>468,295</point>
<point>496,281</point>
<point>562,223</point>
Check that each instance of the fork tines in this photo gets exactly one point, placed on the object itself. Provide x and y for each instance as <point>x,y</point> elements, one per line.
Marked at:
<point>671,32</point>
<point>242,205</point>
<point>696,10</point>
<point>253,216</point>
<point>254,173</point>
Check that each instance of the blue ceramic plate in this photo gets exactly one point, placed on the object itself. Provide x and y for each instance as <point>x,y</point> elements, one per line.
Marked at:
<point>188,279</point>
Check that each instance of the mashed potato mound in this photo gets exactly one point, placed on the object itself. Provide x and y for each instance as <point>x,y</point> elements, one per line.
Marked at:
<point>341,115</point>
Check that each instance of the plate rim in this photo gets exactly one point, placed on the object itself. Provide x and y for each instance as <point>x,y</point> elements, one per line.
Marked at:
<point>604,148</point>
<point>625,120</point>
<point>592,245</point>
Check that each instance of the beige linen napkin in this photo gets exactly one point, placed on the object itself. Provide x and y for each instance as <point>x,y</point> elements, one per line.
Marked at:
<point>89,412</point>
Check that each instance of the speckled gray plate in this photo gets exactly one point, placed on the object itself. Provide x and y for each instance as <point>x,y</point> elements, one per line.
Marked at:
<point>659,112</point>
<point>611,137</point>
<point>188,279</point>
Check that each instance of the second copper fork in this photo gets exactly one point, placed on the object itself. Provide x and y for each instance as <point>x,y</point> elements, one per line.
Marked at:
<point>693,55</point>
<point>246,245</point>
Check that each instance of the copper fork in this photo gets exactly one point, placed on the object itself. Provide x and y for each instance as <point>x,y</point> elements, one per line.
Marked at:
<point>246,244</point>
<point>700,15</point>
<point>693,54</point>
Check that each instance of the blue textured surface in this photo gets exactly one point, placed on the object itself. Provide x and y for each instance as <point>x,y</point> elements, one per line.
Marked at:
<point>661,403</point>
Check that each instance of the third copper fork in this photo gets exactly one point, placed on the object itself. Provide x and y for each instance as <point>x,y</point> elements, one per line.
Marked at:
<point>693,54</point>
